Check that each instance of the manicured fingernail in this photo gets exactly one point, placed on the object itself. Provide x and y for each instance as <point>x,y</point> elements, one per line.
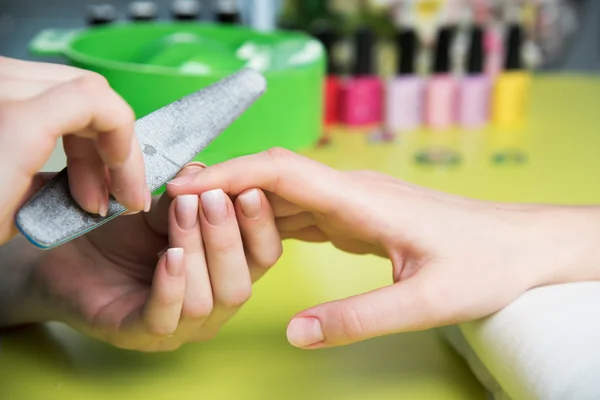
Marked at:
<point>162,252</point>
<point>148,200</point>
<point>186,211</point>
<point>103,203</point>
<point>175,261</point>
<point>250,203</point>
<point>305,332</point>
<point>214,207</point>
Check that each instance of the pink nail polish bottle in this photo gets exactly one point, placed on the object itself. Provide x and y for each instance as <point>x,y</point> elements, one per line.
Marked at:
<point>475,88</point>
<point>405,92</point>
<point>362,94</point>
<point>441,92</point>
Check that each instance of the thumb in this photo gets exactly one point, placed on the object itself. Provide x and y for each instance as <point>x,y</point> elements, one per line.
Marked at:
<point>398,308</point>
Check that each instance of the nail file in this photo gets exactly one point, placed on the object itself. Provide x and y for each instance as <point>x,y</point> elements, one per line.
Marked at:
<point>170,138</point>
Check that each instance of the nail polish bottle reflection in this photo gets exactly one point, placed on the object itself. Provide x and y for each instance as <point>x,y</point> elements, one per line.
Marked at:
<point>227,11</point>
<point>441,95</point>
<point>186,10</point>
<point>362,93</point>
<point>475,88</point>
<point>405,92</point>
<point>511,93</point>
<point>101,14</point>
<point>142,11</point>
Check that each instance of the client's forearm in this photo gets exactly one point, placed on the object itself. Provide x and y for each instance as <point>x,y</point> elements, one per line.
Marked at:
<point>569,244</point>
<point>19,302</point>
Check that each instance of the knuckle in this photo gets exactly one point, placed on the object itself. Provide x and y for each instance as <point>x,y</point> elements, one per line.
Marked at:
<point>160,330</point>
<point>91,81</point>
<point>351,324</point>
<point>236,298</point>
<point>266,260</point>
<point>280,153</point>
<point>198,310</point>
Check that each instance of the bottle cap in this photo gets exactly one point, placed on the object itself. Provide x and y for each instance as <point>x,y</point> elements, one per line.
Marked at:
<point>407,44</point>
<point>364,42</point>
<point>328,37</point>
<point>475,61</point>
<point>101,14</point>
<point>186,9</point>
<point>142,10</point>
<point>442,50</point>
<point>227,11</point>
<point>514,43</point>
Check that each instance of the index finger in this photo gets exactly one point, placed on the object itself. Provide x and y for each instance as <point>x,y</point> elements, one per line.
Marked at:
<point>295,178</point>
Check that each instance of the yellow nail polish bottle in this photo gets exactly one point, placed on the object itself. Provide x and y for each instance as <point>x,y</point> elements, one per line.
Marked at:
<point>511,91</point>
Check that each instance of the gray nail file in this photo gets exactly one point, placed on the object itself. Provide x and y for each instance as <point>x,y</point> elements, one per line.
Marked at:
<point>170,138</point>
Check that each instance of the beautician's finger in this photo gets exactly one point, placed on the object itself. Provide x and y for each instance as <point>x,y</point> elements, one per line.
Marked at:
<point>82,105</point>
<point>229,274</point>
<point>163,308</point>
<point>87,175</point>
<point>259,233</point>
<point>281,207</point>
<point>297,179</point>
<point>20,89</point>
<point>38,71</point>
<point>158,218</point>
<point>184,232</point>
<point>311,235</point>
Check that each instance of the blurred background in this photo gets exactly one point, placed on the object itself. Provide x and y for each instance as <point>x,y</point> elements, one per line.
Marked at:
<point>21,20</point>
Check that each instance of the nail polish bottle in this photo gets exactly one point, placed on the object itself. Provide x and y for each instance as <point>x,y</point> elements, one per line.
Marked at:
<point>101,14</point>
<point>405,92</point>
<point>362,93</point>
<point>441,92</point>
<point>186,10</point>
<point>328,37</point>
<point>227,11</point>
<point>142,11</point>
<point>511,92</point>
<point>475,86</point>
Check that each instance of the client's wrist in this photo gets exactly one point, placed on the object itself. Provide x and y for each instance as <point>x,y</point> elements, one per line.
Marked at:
<point>567,241</point>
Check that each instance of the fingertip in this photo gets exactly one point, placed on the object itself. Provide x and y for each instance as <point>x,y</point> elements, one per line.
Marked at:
<point>305,332</point>
<point>175,262</point>
<point>251,203</point>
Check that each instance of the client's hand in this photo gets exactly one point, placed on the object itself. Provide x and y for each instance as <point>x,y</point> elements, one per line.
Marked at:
<point>116,284</point>
<point>454,259</point>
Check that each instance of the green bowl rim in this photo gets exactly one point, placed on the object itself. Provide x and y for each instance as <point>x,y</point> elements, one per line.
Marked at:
<point>84,58</point>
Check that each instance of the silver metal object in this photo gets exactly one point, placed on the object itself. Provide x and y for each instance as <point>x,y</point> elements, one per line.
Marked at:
<point>170,138</point>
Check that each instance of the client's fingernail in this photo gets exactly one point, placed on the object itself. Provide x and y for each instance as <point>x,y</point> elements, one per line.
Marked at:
<point>148,200</point>
<point>305,332</point>
<point>250,203</point>
<point>103,202</point>
<point>175,261</point>
<point>182,180</point>
<point>186,211</point>
<point>214,207</point>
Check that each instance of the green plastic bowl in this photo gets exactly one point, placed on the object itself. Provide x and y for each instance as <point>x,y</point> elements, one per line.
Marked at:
<point>153,64</point>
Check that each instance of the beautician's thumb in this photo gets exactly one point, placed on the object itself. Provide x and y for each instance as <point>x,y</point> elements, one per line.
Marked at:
<point>398,308</point>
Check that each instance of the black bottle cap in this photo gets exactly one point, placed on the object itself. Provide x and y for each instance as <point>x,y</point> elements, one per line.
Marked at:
<point>443,45</point>
<point>476,57</point>
<point>514,42</point>
<point>407,44</point>
<point>364,49</point>
<point>186,10</point>
<point>101,14</point>
<point>143,11</point>
<point>328,37</point>
<point>227,11</point>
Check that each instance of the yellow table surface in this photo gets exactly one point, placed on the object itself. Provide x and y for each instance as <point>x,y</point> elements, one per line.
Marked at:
<point>251,358</point>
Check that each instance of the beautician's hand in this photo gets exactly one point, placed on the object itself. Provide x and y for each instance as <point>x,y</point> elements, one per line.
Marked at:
<point>113,284</point>
<point>40,103</point>
<point>454,259</point>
